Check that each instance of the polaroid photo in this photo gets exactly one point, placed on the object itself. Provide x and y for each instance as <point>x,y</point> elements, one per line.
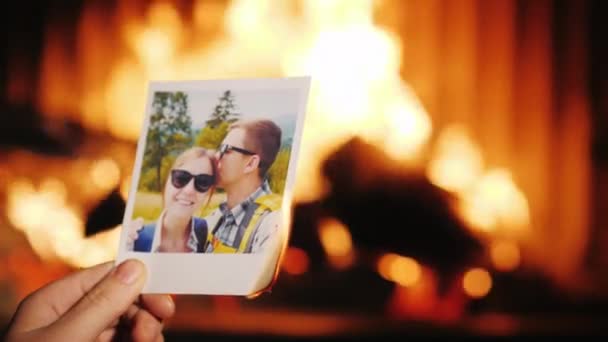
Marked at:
<point>209,204</point>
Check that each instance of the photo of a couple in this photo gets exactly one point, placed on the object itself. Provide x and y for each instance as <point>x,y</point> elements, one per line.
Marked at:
<point>215,164</point>
<point>249,218</point>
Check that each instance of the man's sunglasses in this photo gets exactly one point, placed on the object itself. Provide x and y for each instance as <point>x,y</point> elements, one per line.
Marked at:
<point>225,148</point>
<point>202,182</point>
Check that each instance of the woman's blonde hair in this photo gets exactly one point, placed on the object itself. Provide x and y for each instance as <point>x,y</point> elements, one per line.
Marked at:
<point>191,154</point>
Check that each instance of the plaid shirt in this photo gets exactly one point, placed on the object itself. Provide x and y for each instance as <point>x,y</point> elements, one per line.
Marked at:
<point>231,219</point>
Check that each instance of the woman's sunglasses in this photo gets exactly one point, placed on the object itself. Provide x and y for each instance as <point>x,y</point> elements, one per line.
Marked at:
<point>202,182</point>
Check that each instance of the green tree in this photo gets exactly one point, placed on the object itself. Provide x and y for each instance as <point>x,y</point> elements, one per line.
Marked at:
<point>148,179</point>
<point>166,167</point>
<point>224,111</point>
<point>216,128</point>
<point>169,131</point>
<point>210,137</point>
<point>277,174</point>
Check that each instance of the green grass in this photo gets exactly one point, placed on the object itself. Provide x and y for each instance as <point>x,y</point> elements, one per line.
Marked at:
<point>148,205</point>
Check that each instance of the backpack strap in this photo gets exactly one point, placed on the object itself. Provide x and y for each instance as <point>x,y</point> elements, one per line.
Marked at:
<point>266,204</point>
<point>248,226</point>
<point>244,229</point>
<point>144,239</point>
<point>201,233</point>
<point>252,227</point>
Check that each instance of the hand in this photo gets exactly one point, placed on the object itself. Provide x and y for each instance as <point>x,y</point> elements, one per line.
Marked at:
<point>133,228</point>
<point>95,304</point>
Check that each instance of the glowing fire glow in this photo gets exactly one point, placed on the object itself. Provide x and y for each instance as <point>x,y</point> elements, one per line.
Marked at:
<point>490,200</point>
<point>296,261</point>
<point>54,230</point>
<point>357,90</point>
<point>495,202</point>
<point>337,242</point>
<point>477,282</point>
<point>105,174</point>
<point>354,64</point>
<point>402,270</point>
<point>505,255</point>
<point>125,187</point>
<point>457,163</point>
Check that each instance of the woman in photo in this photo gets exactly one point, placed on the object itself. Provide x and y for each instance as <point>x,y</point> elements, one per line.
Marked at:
<point>189,184</point>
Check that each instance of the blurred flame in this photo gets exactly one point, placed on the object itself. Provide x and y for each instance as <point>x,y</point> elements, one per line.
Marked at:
<point>356,86</point>
<point>155,43</point>
<point>409,130</point>
<point>105,174</point>
<point>207,14</point>
<point>477,282</point>
<point>125,95</point>
<point>422,301</point>
<point>496,202</point>
<point>357,89</point>
<point>489,199</point>
<point>402,270</point>
<point>337,242</point>
<point>125,186</point>
<point>457,163</point>
<point>54,189</point>
<point>354,64</point>
<point>505,255</point>
<point>296,261</point>
<point>54,230</point>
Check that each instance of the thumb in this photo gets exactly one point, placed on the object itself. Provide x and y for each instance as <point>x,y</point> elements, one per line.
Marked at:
<point>103,304</point>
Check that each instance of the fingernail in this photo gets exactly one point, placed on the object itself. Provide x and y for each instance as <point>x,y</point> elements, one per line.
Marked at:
<point>171,302</point>
<point>128,272</point>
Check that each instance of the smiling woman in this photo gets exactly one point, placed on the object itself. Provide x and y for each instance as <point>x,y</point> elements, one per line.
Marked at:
<point>190,185</point>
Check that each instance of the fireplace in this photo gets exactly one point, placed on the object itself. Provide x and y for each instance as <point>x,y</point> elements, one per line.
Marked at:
<point>452,177</point>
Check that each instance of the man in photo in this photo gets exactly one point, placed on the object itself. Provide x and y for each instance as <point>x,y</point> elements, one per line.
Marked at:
<point>250,219</point>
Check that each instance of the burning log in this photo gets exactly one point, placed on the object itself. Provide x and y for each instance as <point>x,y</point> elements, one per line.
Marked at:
<point>26,128</point>
<point>106,215</point>
<point>391,209</point>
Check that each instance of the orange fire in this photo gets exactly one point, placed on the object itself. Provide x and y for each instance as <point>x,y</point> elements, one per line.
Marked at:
<point>54,229</point>
<point>357,90</point>
<point>296,261</point>
<point>477,282</point>
<point>402,270</point>
<point>490,199</point>
<point>505,255</point>
<point>105,174</point>
<point>337,242</point>
<point>354,65</point>
<point>457,162</point>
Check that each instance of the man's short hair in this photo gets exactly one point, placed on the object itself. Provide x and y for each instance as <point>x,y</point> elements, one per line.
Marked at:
<point>262,137</point>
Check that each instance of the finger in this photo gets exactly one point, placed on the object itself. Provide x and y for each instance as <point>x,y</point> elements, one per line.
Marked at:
<point>135,225</point>
<point>145,326</point>
<point>160,306</point>
<point>138,223</point>
<point>160,338</point>
<point>107,335</point>
<point>103,304</point>
<point>140,324</point>
<point>47,304</point>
